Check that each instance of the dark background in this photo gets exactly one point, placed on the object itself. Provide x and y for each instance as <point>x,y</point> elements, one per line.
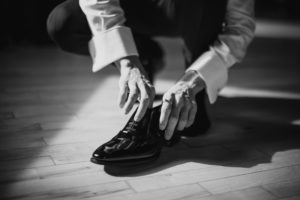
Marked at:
<point>25,21</point>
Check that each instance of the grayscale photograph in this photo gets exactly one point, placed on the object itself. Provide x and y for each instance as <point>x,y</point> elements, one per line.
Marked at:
<point>150,100</point>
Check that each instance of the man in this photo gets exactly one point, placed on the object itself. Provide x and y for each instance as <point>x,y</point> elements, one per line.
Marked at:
<point>118,33</point>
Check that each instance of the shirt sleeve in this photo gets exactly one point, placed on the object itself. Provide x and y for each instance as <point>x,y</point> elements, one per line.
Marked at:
<point>230,47</point>
<point>111,40</point>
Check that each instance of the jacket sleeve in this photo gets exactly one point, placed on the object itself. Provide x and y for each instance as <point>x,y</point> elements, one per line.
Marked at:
<point>230,47</point>
<point>111,40</point>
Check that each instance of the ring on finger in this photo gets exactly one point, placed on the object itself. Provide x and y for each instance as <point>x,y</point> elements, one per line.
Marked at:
<point>193,102</point>
<point>188,98</point>
<point>167,101</point>
<point>187,95</point>
<point>145,80</point>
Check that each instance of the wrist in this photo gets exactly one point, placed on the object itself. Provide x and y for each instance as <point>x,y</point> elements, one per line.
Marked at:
<point>128,63</point>
<point>193,80</point>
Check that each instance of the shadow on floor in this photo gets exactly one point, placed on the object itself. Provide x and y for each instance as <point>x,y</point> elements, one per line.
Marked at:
<point>246,132</point>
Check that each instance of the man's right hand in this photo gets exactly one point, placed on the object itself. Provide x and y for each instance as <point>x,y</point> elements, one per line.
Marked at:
<point>134,85</point>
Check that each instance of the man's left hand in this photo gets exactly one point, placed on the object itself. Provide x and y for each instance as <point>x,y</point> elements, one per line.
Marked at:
<point>179,106</point>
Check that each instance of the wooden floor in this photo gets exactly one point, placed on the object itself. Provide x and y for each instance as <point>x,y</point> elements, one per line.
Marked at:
<point>54,112</point>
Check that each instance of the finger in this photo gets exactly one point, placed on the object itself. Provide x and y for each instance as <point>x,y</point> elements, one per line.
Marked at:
<point>165,112</point>
<point>192,114</point>
<point>171,127</point>
<point>183,116</point>
<point>172,123</point>
<point>132,97</point>
<point>144,102</point>
<point>123,94</point>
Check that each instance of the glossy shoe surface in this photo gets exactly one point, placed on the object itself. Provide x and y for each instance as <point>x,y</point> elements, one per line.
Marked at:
<point>136,142</point>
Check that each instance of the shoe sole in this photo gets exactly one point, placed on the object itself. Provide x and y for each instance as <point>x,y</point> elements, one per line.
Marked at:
<point>138,161</point>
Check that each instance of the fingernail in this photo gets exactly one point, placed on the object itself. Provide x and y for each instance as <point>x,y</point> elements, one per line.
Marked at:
<point>161,127</point>
<point>167,135</point>
<point>168,138</point>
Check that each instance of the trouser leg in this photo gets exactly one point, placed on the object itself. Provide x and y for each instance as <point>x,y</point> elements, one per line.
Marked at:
<point>68,28</point>
<point>199,24</point>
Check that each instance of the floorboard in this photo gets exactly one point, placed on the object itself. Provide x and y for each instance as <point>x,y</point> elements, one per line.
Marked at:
<point>54,112</point>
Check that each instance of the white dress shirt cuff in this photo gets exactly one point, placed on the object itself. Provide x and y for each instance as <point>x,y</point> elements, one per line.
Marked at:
<point>212,67</point>
<point>111,45</point>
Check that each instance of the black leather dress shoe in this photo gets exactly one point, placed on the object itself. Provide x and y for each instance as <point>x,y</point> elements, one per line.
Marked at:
<point>137,142</point>
<point>202,122</point>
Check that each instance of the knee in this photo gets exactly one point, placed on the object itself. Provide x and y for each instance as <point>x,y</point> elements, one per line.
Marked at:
<point>57,25</point>
<point>151,54</point>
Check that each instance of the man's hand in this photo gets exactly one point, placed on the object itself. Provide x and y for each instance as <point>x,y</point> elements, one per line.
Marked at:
<point>179,107</point>
<point>134,85</point>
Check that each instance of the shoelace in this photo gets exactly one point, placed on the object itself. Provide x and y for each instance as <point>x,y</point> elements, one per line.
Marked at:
<point>132,127</point>
<point>124,139</point>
